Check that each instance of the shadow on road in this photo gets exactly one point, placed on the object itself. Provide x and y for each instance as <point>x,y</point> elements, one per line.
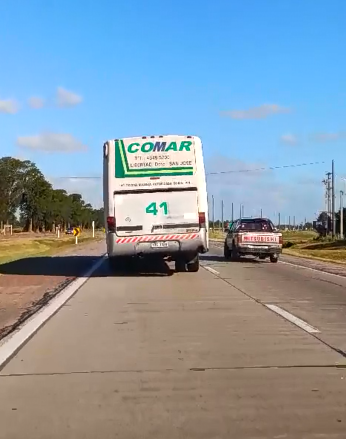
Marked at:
<point>137,268</point>
<point>77,266</point>
<point>217,258</point>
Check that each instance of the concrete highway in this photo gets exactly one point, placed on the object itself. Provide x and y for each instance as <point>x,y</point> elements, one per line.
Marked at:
<point>202,355</point>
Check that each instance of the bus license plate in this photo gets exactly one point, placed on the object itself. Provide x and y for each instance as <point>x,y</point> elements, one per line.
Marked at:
<point>159,244</point>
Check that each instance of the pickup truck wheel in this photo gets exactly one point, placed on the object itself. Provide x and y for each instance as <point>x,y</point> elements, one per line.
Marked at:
<point>193,266</point>
<point>234,254</point>
<point>226,251</point>
<point>274,259</point>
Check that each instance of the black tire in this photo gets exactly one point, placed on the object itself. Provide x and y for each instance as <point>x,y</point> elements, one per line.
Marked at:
<point>234,255</point>
<point>274,259</point>
<point>193,266</point>
<point>226,252</point>
<point>180,266</point>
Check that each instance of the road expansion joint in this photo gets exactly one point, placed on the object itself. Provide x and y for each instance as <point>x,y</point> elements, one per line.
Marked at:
<point>179,370</point>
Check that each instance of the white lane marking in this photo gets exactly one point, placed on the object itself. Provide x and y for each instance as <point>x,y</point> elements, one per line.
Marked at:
<point>293,319</point>
<point>312,269</point>
<point>11,344</point>
<point>211,270</point>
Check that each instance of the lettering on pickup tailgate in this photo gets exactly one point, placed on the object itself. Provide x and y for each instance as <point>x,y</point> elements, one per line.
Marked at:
<point>258,238</point>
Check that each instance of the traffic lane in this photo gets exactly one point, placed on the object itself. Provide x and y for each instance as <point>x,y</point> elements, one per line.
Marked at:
<point>170,355</point>
<point>245,403</point>
<point>327,267</point>
<point>180,321</point>
<point>317,297</point>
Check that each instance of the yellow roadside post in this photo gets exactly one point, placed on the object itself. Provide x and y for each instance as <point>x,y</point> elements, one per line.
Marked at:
<point>76,233</point>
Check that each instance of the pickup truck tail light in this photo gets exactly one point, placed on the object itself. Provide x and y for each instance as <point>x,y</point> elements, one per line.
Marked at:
<point>111,223</point>
<point>280,240</point>
<point>201,220</point>
<point>240,238</point>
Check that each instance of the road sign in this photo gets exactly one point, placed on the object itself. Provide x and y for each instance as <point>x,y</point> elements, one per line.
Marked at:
<point>76,231</point>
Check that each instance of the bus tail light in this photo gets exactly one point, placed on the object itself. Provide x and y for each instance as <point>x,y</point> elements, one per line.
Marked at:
<point>201,220</point>
<point>111,223</point>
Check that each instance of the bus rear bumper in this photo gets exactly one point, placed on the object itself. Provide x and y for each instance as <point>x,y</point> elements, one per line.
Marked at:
<point>169,248</point>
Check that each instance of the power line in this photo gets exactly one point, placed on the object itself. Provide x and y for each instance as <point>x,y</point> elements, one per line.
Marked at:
<point>214,173</point>
<point>78,178</point>
<point>265,168</point>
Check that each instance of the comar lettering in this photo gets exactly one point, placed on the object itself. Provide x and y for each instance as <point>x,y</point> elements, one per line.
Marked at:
<point>148,147</point>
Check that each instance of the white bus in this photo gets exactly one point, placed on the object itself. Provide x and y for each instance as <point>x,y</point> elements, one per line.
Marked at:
<point>155,199</point>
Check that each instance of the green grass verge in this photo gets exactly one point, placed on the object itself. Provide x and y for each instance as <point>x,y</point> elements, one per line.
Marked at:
<point>299,236</point>
<point>328,251</point>
<point>13,249</point>
<point>216,234</point>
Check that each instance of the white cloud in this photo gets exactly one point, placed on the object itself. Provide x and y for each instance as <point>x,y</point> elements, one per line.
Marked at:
<point>51,142</point>
<point>329,137</point>
<point>9,106</point>
<point>267,190</point>
<point>90,189</point>
<point>289,139</point>
<point>36,102</point>
<point>66,98</point>
<point>261,112</point>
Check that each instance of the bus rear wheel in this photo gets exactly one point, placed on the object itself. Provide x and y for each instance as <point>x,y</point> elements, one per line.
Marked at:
<point>180,265</point>
<point>193,266</point>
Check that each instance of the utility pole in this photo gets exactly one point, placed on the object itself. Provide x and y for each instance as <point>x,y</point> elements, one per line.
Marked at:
<point>289,222</point>
<point>213,210</point>
<point>279,220</point>
<point>242,211</point>
<point>222,225</point>
<point>232,213</point>
<point>328,193</point>
<point>324,181</point>
<point>333,201</point>
<point>294,222</point>
<point>341,215</point>
<point>261,213</point>
<point>328,200</point>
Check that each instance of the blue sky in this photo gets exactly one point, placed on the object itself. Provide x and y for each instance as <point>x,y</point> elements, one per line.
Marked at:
<point>195,67</point>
